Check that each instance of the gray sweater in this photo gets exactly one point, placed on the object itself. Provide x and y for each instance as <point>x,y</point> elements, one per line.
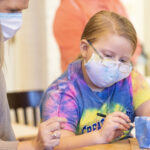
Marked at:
<point>7,138</point>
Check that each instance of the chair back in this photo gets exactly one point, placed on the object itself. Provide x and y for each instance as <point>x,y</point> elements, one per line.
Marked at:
<point>24,100</point>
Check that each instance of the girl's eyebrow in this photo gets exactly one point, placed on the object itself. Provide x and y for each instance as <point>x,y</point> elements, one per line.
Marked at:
<point>107,51</point>
<point>113,53</point>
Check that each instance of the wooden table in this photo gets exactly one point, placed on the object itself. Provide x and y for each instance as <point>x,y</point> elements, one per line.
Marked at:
<point>24,132</point>
<point>128,144</point>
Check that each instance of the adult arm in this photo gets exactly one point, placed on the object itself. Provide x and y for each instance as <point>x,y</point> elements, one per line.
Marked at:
<point>7,137</point>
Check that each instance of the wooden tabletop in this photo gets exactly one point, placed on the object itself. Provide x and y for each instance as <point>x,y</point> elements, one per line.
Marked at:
<point>128,144</point>
<point>24,132</point>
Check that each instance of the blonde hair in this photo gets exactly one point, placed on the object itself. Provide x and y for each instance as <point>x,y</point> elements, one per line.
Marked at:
<point>1,49</point>
<point>105,22</point>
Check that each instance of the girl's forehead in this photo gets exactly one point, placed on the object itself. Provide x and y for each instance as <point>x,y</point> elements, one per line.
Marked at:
<point>115,44</point>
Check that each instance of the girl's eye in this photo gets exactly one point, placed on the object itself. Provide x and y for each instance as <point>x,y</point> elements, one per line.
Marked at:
<point>108,56</point>
<point>123,61</point>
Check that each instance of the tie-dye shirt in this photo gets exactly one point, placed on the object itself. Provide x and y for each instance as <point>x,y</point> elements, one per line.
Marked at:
<point>70,97</point>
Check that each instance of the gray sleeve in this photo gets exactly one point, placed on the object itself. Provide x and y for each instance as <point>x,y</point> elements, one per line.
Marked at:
<point>6,132</point>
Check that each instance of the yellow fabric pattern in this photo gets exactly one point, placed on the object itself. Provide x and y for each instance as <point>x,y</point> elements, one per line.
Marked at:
<point>141,89</point>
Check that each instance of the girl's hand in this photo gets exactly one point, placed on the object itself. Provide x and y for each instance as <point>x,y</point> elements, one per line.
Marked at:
<point>114,125</point>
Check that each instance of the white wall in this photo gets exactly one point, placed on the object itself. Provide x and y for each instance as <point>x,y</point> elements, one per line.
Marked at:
<point>139,11</point>
<point>53,54</point>
<point>32,56</point>
<point>135,10</point>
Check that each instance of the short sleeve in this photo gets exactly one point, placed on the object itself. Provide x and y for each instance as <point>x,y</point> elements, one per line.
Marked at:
<point>141,89</point>
<point>60,104</point>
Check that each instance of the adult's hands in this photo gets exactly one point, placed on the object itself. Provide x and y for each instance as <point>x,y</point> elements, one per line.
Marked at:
<point>49,134</point>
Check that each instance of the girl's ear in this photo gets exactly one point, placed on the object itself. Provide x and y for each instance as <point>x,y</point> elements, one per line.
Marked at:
<point>84,46</point>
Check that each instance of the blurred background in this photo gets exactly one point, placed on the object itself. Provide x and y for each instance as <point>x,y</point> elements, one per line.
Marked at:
<point>32,57</point>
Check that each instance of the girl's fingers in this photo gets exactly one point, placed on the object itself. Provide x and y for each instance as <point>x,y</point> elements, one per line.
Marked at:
<point>121,115</point>
<point>118,133</point>
<point>118,126</point>
<point>121,121</point>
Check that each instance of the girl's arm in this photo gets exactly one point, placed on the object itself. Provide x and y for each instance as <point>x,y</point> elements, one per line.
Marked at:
<point>113,126</point>
<point>143,109</point>
<point>70,141</point>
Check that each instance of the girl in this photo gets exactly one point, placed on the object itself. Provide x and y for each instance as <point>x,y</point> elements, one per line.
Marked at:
<point>102,81</point>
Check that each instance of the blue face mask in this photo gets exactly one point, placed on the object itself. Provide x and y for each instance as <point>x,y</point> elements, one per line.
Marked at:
<point>104,73</point>
<point>10,23</point>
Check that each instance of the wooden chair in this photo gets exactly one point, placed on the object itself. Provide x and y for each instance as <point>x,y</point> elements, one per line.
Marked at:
<point>24,100</point>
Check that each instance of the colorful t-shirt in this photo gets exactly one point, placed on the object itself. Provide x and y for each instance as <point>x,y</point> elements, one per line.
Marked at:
<point>141,89</point>
<point>70,97</point>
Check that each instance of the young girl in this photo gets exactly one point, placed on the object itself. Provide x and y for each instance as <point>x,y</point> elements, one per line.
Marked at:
<point>102,81</point>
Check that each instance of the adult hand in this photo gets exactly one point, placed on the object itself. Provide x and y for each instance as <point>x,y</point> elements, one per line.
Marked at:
<point>114,125</point>
<point>49,134</point>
